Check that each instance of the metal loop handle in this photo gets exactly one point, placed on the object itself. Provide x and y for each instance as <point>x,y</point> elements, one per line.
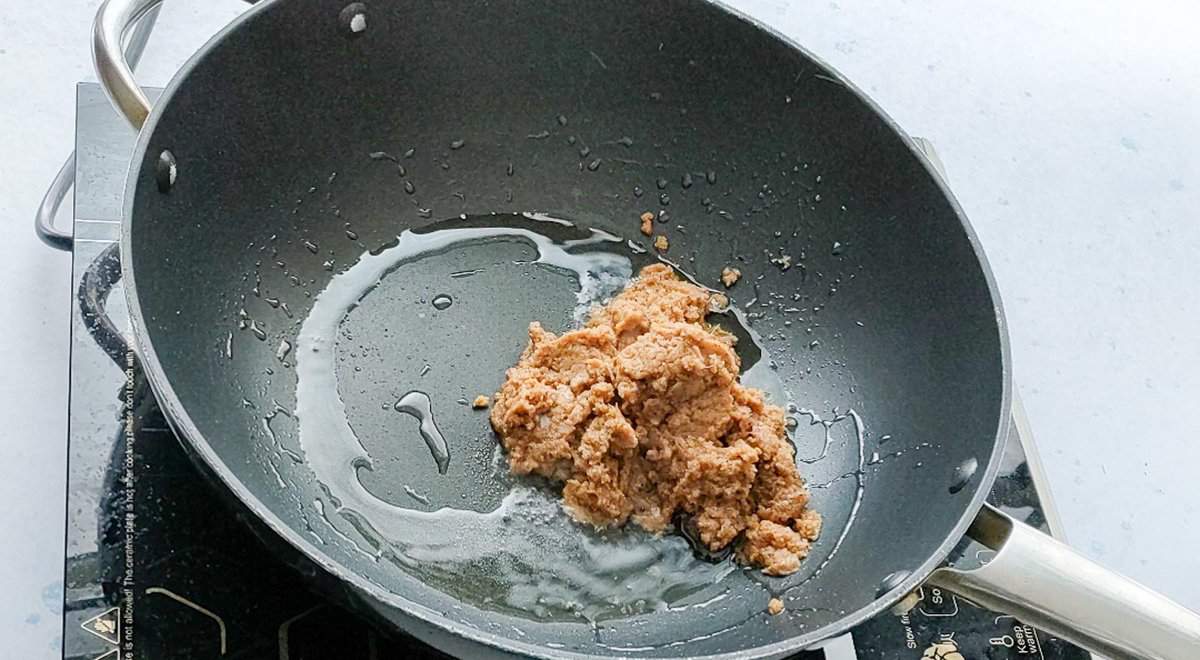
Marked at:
<point>113,67</point>
<point>43,221</point>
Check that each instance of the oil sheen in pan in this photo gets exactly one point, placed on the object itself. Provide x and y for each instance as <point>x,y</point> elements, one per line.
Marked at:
<point>526,557</point>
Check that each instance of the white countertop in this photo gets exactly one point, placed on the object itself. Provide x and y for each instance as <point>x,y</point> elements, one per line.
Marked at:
<point>1069,129</point>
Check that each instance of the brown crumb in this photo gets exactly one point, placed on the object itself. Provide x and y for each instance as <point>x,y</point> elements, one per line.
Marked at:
<point>774,606</point>
<point>730,276</point>
<point>481,401</point>
<point>640,415</point>
<point>647,223</point>
<point>718,303</point>
<point>661,243</point>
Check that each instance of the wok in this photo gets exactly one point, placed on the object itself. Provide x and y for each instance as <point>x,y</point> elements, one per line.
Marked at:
<point>340,217</point>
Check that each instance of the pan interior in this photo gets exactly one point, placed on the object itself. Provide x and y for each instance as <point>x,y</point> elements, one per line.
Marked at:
<point>418,329</point>
<point>861,285</point>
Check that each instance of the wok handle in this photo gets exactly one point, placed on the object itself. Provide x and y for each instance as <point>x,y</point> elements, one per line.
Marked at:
<point>1048,585</point>
<point>115,71</point>
<point>43,219</point>
<point>114,19</point>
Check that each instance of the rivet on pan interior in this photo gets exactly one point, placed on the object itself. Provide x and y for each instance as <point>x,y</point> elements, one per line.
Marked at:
<point>165,171</point>
<point>963,473</point>
<point>353,18</point>
<point>890,582</point>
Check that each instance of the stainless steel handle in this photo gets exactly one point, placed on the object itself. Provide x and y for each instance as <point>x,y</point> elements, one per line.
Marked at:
<point>115,71</point>
<point>114,18</point>
<point>1048,585</point>
<point>43,220</point>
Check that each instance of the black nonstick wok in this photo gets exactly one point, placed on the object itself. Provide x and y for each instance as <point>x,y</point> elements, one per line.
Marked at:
<point>340,219</point>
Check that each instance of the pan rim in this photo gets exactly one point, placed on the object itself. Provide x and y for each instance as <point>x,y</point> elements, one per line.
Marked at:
<point>182,422</point>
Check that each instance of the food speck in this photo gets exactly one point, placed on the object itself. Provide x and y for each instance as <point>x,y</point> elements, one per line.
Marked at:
<point>774,606</point>
<point>481,401</point>
<point>730,276</point>
<point>640,415</point>
<point>718,303</point>
<point>661,243</point>
<point>647,223</point>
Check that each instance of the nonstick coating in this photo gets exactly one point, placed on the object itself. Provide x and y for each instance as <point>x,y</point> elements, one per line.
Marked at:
<point>753,148</point>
